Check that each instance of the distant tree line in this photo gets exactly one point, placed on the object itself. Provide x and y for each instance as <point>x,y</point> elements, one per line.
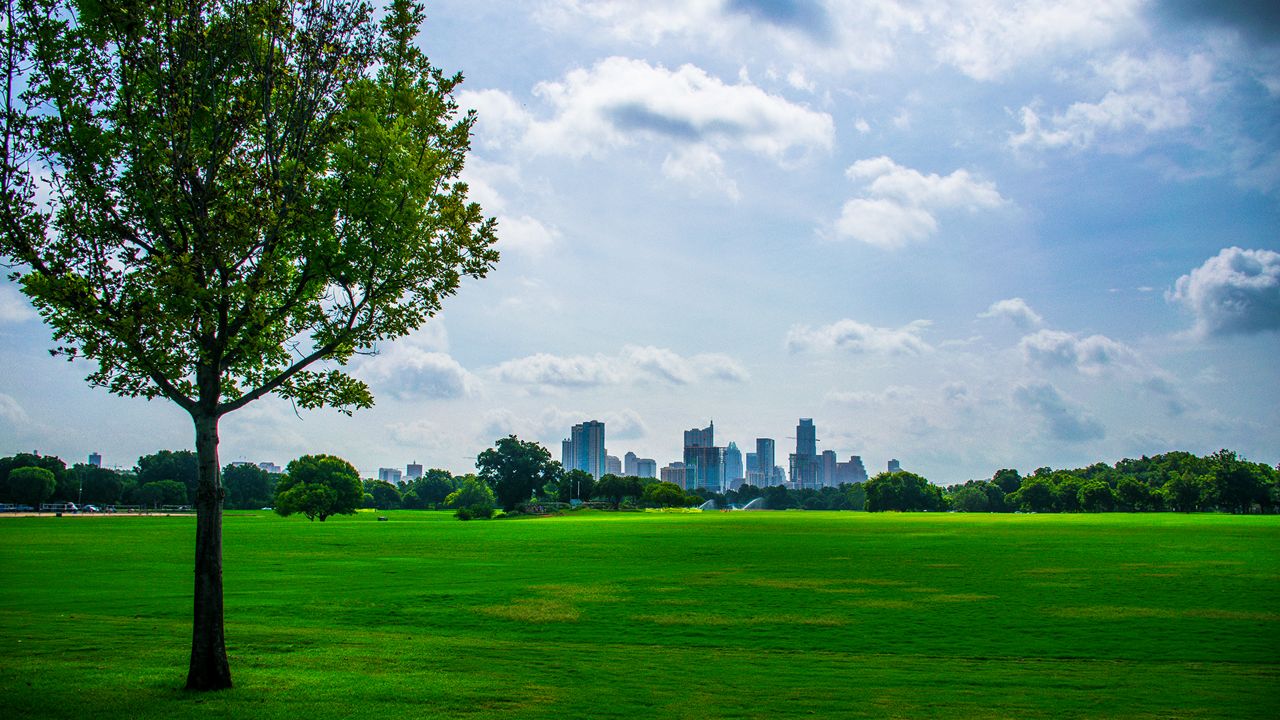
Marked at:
<point>518,476</point>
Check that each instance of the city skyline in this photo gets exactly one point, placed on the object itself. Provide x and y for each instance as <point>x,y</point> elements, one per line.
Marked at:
<point>963,239</point>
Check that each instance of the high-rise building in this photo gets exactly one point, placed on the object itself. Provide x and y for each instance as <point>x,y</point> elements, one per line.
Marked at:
<point>629,467</point>
<point>704,462</point>
<point>612,465</point>
<point>806,437</point>
<point>827,472</point>
<point>733,463</point>
<point>764,451</point>
<point>894,466</point>
<point>806,466</point>
<point>851,472</point>
<point>95,459</point>
<point>753,464</point>
<point>646,468</point>
<point>412,471</point>
<point>271,468</point>
<point>584,449</point>
<point>676,473</point>
<point>391,475</point>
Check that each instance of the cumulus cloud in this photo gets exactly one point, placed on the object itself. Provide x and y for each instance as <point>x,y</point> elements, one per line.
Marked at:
<point>517,232</point>
<point>1063,419</point>
<point>633,364</point>
<point>621,102</point>
<point>987,40</point>
<point>1090,355</point>
<point>855,337</point>
<point>1098,355</point>
<point>983,40</point>
<point>1148,95</point>
<point>1236,292</point>
<point>898,204</point>
<point>418,366</point>
<point>1015,310</point>
<point>14,308</point>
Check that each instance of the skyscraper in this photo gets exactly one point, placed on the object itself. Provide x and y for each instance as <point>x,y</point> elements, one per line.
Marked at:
<point>629,467</point>
<point>732,463</point>
<point>646,468</point>
<point>584,449</point>
<point>894,466</point>
<point>805,463</point>
<point>852,471</point>
<point>412,471</point>
<point>704,462</point>
<point>612,465</point>
<point>95,459</point>
<point>391,475</point>
<point>762,474</point>
<point>827,473</point>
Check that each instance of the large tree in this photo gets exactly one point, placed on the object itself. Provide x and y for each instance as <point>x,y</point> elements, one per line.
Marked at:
<point>319,486</point>
<point>214,201</point>
<point>516,469</point>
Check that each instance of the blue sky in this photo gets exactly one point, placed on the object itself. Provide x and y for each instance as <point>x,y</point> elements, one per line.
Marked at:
<point>967,235</point>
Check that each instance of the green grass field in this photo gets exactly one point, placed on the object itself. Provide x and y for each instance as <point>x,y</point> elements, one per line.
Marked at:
<point>725,615</point>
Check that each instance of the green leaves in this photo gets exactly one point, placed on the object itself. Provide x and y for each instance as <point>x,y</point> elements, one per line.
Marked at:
<point>239,192</point>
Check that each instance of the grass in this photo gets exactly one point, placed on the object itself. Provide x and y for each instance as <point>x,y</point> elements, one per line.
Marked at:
<point>601,615</point>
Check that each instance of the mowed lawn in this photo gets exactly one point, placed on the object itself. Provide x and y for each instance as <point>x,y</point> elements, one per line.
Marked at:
<point>638,615</point>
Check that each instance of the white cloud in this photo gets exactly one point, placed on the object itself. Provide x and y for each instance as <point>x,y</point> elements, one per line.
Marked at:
<point>1090,355</point>
<point>621,101</point>
<point>419,366</point>
<point>699,166</point>
<point>633,364</point>
<point>1236,292</point>
<point>1151,95</point>
<point>1015,310</point>
<point>855,337</point>
<point>1064,420</point>
<point>525,234</point>
<point>14,307</point>
<point>898,204</point>
<point>986,40</point>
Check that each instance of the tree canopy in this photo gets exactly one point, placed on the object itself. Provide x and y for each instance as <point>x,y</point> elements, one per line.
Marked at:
<point>319,486</point>
<point>212,201</point>
<point>516,469</point>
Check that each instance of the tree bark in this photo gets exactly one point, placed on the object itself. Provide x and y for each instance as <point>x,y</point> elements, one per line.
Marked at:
<point>209,669</point>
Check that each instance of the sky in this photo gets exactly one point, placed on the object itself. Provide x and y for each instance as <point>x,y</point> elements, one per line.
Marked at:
<point>965,235</point>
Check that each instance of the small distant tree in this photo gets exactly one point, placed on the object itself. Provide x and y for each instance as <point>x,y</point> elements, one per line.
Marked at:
<point>902,491</point>
<point>96,485</point>
<point>1035,495</point>
<point>319,486</point>
<point>180,465</point>
<point>162,492</point>
<point>664,494</point>
<point>1096,496</point>
<point>1133,495</point>
<point>385,495</point>
<point>575,485</point>
<point>248,486</point>
<point>516,469</point>
<point>32,485</point>
<point>1007,479</point>
<point>615,489</point>
<point>473,499</point>
<point>1186,492</point>
<point>777,497</point>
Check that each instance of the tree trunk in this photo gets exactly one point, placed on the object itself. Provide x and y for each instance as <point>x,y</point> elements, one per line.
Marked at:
<point>209,669</point>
